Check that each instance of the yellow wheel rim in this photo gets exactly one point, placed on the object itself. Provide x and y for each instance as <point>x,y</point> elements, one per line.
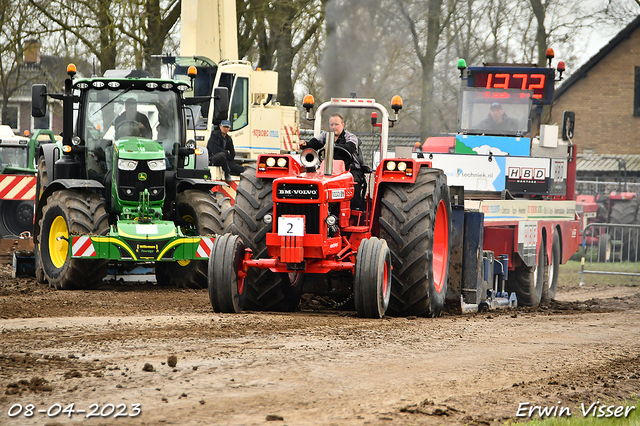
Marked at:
<point>189,219</point>
<point>58,246</point>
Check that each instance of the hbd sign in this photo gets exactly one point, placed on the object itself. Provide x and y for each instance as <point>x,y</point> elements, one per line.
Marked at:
<point>526,173</point>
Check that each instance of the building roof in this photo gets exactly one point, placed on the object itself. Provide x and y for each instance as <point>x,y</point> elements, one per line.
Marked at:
<point>586,67</point>
<point>607,163</point>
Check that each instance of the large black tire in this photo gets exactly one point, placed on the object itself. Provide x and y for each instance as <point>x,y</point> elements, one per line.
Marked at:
<point>415,220</point>
<point>16,217</point>
<point>605,248</point>
<point>625,212</point>
<point>372,278</point>
<point>40,277</point>
<point>266,291</point>
<point>66,213</point>
<point>528,283</point>
<point>208,214</point>
<point>226,287</point>
<point>41,184</point>
<point>553,270</point>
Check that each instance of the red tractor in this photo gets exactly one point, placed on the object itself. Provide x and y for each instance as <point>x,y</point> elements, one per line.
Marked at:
<point>294,228</point>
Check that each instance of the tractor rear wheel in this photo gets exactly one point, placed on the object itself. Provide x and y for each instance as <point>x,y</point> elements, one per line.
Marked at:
<point>625,212</point>
<point>207,214</point>
<point>266,291</point>
<point>553,270</point>
<point>66,213</point>
<point>372,278</point>
<point>415,220</point>
<point>16,217</point>
<point>226,287</point>
<point>528,283</point>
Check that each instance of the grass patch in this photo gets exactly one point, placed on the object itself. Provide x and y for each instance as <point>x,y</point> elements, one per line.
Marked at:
<point>570,274</point>
<point>577,418</point>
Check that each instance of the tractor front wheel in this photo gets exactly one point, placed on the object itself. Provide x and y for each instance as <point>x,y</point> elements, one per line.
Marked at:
<point>206,214</point>
<point>67,213</point>
<point>225,277</point>
<point>372,278</point>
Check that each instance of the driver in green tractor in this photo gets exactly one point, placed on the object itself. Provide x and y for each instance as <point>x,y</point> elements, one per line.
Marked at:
<point>131,122</point>
<point>349,142</point>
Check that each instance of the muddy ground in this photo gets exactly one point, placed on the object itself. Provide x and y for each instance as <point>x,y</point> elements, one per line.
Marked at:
<point>118,344</point>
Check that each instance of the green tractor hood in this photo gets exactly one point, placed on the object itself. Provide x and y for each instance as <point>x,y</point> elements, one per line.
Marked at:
<point>134,148</point>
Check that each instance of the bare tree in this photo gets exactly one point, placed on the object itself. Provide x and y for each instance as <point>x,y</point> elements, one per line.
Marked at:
<point>425,19</point>
<point>147,29</point>
<point>90,22</point>
<point>16,35</point>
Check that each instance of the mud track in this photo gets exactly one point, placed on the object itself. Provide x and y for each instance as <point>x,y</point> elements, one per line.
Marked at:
<point>113,346</point>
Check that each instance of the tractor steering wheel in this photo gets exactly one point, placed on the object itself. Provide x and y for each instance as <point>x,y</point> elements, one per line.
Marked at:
<point>344,155</point>
<point>135,129</point>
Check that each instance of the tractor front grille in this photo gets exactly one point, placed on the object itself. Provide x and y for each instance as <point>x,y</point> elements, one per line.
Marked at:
<point>311,212</point>
<point>132,183</point>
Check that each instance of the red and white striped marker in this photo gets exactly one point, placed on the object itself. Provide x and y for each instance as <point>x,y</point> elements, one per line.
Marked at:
<point>17,187</point>
<point>204,249</point>
<point>82,247</point>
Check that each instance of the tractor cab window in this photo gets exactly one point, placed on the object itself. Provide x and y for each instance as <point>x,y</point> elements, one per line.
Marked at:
<point>239,109</point>
<point>238,99</point>
<point>13,156</point>
<point>495,111</point>
<point>130,113</point>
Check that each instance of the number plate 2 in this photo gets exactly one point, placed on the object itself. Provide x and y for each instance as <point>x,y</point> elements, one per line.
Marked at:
<point>291,226</point>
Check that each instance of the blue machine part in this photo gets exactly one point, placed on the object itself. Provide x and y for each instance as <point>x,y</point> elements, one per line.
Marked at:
<point>496,145</point>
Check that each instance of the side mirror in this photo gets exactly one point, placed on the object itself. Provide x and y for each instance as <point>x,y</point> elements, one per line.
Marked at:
<point>220,104</point>
<point>38,100</point>
<point>568,125</point>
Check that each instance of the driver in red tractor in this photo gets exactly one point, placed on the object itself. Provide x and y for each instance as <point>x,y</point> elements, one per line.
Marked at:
<point>350,143</point>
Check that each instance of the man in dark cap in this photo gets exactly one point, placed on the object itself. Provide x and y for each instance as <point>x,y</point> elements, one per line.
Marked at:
<point>498,120</point>
<point>222,152</point>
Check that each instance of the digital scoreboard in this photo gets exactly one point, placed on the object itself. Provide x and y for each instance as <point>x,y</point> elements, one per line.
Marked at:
<point>540,80</point>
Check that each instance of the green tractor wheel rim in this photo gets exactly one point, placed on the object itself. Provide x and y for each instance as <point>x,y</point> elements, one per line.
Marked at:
<point>59,242</point>
<point>187,218</point>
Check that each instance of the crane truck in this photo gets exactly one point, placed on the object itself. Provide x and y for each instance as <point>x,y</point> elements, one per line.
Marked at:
<point>208,41</point>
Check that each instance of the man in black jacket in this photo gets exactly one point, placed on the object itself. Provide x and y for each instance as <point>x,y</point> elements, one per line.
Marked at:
<point>351,143</point>
<point>222,152</point>
<point>131,122</point>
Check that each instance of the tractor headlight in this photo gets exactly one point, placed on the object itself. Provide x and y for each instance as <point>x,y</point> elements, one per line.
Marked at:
<point>271,162</point>
<point>282,162</point>
<point>267,218</point>
<point>76,140</point>
<point>157,165</point>
<point>402,166</point>
<point>391,165</point>
<point>331,220</point>
<point>127,165</point>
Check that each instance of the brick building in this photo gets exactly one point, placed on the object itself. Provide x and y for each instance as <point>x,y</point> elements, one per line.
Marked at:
<point>38,68</point>
<point>605,95</point>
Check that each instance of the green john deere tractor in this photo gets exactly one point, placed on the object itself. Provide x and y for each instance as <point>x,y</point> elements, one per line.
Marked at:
<point>125,184</point>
